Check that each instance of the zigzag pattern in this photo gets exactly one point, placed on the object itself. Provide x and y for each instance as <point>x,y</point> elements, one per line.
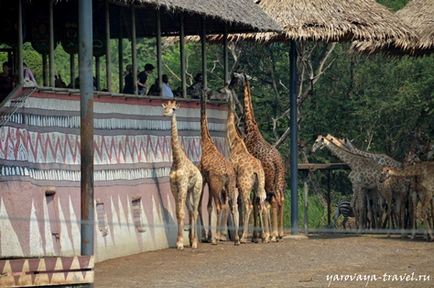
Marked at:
<point>47,271</point>
<point>35,147</point>
<point>41,141</point>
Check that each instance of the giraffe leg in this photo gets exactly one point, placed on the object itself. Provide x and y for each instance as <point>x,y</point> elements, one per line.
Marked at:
<point>201,221</point>
<point>281,233</point>
<point>265,215</point>
<point>215,187</point>
<point>196,196</point>
<point>414,214</point>
<point>235,214</point>
<point>180,193</point>
<point>223,231</point>
<point>245,214</point>
<point>274,210</point>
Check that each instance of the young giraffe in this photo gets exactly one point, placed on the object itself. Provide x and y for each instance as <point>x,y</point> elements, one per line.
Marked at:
<point>250,175</point>
<point>272,163</point>
<point>185,182</point>
<point>364,176</point>
<point>391,188</point>
<point>220,175</point>
<point>424,172</point>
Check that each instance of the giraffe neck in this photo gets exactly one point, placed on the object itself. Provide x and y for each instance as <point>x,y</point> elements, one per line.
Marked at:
<point>343,154</point>
<point>413,170</point>
<point>236,143</point>
<point>249,116</point>
<point>178,154</point>
<point>205,136</point>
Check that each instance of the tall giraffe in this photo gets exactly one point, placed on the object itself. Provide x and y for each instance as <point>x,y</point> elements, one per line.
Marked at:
<point>220,175</point>
<point>185,181</point>
<point>272,163</point>
<point>424,172</point>
<point>250,175</point>
<point>364,176</point>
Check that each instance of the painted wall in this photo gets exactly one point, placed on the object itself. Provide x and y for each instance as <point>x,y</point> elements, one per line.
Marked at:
<point>134,207</point>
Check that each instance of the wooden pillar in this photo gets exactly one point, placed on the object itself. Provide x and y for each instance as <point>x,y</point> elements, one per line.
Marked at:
<point>159,62</point>
<point>134,46</point>
<point>225,55</point>
<point>51,63</point>
<point>20,43</point>
<point>72,70</point>
<point>293,138</point>
<point>87,226</point>
<point>329,198</point>
<point>44,70</point>
<point>107,52</point>
<point>97,73</point>
<point>121,54</point>
<point>182,55</point>
<point>203,46</point>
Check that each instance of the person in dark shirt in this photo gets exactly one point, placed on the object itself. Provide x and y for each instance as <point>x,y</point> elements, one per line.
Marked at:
<point>142,77</point>
<point>6,81</point>
<point>196,89</point>
<point>129,81</point>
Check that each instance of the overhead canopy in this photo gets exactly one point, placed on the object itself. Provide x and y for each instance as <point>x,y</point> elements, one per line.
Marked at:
<point>330,20</point>
<point>418,15</point>
<point>238,16</point>
<point>242,13</point>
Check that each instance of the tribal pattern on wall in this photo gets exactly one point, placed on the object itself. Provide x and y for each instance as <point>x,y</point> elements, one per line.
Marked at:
<point>132,140</point>
<point>134,207</point>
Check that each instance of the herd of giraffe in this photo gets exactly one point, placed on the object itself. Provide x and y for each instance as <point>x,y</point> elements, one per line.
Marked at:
<point>254,175</point>
<point>385,191</point>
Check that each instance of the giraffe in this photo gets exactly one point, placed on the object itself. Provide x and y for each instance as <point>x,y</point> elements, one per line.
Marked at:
<point>271,160</point>
<point>392,188</point>
<point>250,175</point>
<point>219,174</point>
<point>185,182</point>
<point>424,172</point>
<point>364,176</point>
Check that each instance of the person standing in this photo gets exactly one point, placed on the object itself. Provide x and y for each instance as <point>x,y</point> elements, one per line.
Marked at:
<point>129,80</point>
<point>142,77</point>
<point>167,91</point>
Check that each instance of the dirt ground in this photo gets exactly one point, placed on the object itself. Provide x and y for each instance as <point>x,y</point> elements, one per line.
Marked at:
<point>290,263</point>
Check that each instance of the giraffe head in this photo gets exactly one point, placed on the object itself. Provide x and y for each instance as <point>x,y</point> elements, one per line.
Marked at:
<point>385,174</point>
<point>169,108</point>
<point>320,142</point>
<point>340,142</point>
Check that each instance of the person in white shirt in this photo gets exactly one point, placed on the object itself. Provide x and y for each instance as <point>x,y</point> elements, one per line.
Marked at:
<point>167,91</point>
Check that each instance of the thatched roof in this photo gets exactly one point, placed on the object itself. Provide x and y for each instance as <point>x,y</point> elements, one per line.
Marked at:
<point>419,15</point>
<point>239,12</point>
<point>330,20</point>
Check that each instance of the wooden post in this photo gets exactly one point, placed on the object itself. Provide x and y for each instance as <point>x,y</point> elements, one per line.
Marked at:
<point>306,204</point>
<point>225,55</point>
<point>328,197</point>
<point>121,54</point>
<point>20,43</point>
<point>97,73</point>
<point>107,52</point>
<point>44,70</point>
<point>86,128</point>
<point>203,46</point>
<point>134,47</point>
<point>51,63</point>
<point>293,138</point>
<point>159,63</point>
<point>182,55</point>
<point>72,71</point>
